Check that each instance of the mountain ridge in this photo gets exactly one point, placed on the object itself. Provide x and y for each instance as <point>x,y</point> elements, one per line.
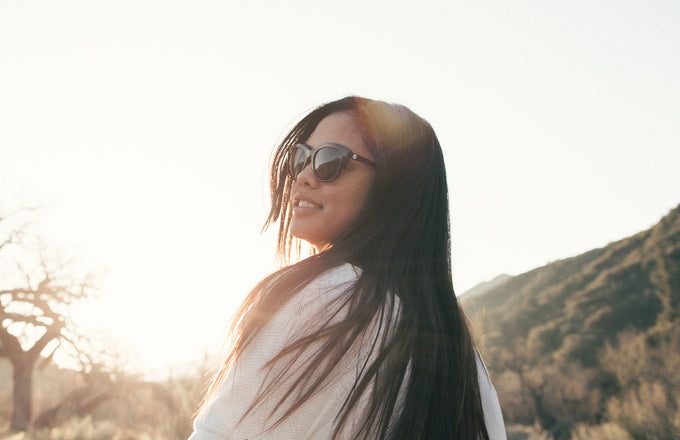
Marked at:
<point>587,347</point>
<point>588,298</point>
<point>482,287</point>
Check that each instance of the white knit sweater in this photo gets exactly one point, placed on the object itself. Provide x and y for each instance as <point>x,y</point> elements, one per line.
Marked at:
<point>315,420</point>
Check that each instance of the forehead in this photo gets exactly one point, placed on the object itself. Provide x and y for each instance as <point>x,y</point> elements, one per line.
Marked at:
<point>340,128</point>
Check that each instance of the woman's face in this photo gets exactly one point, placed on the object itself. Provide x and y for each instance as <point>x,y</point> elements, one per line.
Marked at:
<point>323,210</point>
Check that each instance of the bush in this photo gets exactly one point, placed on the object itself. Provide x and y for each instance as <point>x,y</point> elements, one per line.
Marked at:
<point>648,413</point>
<point>606,431</point>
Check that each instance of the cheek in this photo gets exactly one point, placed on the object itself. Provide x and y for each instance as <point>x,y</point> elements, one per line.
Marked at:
<point>348,205</point>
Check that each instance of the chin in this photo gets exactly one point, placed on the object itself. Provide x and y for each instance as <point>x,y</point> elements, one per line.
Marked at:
<point>310,239</point>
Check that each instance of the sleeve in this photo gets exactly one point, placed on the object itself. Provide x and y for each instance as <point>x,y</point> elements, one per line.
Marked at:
<point>490,404</point>
<point>223,417</point>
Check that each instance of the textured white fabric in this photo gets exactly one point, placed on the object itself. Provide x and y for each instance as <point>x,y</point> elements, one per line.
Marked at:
<point>316,418</point>
<point>490,405</point>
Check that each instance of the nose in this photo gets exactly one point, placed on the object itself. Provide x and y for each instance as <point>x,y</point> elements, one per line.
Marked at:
<point>306,177</point>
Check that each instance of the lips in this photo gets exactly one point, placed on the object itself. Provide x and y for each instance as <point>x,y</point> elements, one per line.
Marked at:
<point>303,204</point>
<point>306,204</point>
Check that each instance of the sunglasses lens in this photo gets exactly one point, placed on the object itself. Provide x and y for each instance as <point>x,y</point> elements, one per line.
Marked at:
<point>297,161</point>
<point>327,163</point>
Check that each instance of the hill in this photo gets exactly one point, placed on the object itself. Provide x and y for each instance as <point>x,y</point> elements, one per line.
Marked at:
<point>484,286</point>
<point>569,342</point>
<point>572,307</point>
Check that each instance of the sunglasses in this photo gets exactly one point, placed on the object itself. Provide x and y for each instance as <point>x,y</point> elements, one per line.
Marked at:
<point>328,160</point>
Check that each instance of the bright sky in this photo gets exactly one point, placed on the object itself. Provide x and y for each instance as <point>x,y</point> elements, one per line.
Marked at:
<point>145,129</point>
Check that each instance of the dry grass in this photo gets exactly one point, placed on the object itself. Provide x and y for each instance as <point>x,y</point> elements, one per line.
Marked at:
<point>137,410</point>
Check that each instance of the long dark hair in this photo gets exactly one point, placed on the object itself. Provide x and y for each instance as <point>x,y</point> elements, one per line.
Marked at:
<point>401,242</point>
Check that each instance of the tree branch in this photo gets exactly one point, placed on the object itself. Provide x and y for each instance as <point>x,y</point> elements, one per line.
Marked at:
<point>10,343</point>
<point>15,293</point>
<point>9,240</point>
<point>53,332</point>
<point>29,319</point>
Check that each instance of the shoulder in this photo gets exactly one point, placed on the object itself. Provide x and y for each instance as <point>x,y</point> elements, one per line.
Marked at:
<point>329,288</point>
<point>264,365</point>
<point>311,305</point>
<point>336,277</point>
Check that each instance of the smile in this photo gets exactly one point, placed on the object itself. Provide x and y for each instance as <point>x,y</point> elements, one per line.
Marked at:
<point>306,204</point>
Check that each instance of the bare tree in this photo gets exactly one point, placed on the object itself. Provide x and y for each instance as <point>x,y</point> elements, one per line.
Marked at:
<point>35,297</point>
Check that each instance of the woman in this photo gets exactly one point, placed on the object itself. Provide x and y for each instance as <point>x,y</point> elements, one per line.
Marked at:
<point>364,339</point>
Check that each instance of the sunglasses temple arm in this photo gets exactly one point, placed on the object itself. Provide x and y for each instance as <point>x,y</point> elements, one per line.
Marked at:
<point>363,160</point>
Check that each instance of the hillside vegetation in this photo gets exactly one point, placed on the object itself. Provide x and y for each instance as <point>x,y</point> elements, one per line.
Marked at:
<point>589,346</point>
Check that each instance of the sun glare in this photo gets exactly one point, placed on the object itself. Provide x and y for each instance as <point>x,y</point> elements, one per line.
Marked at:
<point>155,270</point>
